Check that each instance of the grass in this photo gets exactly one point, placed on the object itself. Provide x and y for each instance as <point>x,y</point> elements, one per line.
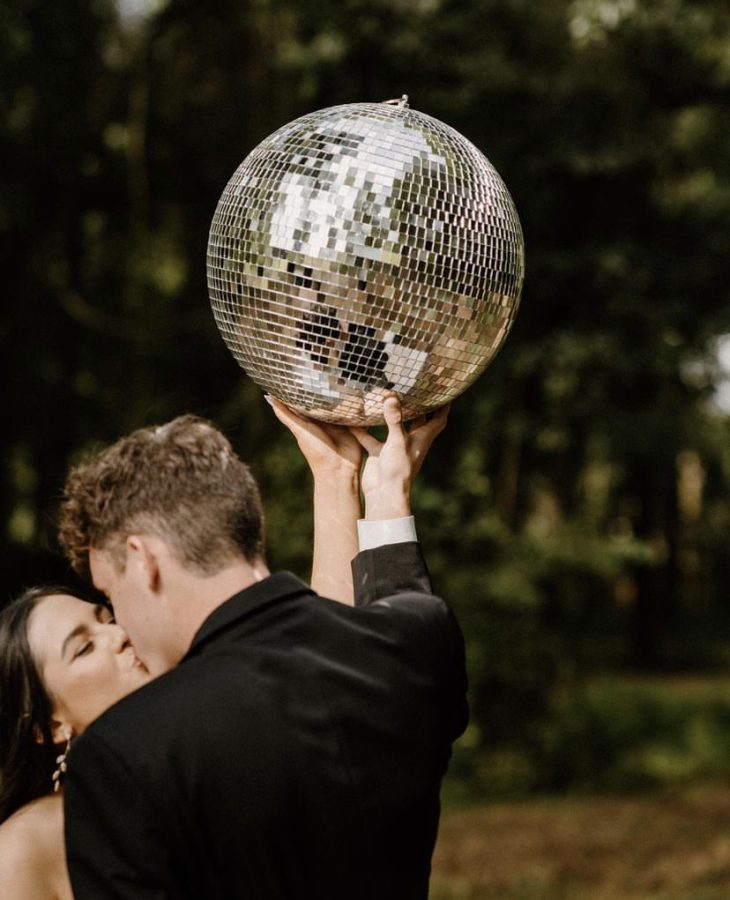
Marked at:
<point>673,845</point>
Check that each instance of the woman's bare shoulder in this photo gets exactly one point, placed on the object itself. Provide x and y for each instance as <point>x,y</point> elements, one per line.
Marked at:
<point>32,850</point>
<point>41,818</point>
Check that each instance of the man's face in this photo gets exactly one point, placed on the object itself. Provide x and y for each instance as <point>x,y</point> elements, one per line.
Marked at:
<point>136,608</point>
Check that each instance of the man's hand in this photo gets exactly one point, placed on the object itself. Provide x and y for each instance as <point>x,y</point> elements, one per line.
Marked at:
<point>392,465</point>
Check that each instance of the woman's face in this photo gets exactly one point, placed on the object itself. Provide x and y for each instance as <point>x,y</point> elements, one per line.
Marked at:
<point>84,658</point>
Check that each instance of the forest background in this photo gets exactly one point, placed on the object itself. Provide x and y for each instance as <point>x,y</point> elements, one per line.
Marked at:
<point>577,509</point>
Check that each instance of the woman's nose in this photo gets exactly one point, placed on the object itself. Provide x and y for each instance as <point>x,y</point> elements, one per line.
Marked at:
<point>117,637</point>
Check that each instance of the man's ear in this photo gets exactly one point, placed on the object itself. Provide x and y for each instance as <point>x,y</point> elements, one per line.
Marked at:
<point>142,553</point>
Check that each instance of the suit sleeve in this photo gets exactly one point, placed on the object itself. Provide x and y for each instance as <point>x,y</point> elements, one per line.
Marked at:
<point>398,571</point>
<point>388,570</point>
<point>113,849</point>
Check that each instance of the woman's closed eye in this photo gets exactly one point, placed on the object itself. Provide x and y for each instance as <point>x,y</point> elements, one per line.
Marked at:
<point>83,648</point>
<point>82,633</point>
<point>88,645</point>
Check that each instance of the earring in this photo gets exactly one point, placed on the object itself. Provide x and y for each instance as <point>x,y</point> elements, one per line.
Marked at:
<point>61,764</point>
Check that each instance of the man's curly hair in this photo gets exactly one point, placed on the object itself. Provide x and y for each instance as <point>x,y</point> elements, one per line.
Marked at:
<point>180,481</point>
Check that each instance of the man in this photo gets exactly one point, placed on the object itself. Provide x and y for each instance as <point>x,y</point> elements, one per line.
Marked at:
<point>295,746</point>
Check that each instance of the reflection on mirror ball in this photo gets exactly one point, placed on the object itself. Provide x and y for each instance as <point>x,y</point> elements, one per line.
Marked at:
<point>363,249</point>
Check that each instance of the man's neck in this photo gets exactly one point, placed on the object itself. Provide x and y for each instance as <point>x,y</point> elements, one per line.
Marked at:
<point>197,596</point>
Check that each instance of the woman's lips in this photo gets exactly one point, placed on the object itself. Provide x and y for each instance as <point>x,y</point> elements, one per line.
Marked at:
<point>136,662</point>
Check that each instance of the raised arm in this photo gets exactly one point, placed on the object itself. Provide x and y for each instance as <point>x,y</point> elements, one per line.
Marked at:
<point>334,454</point>
<point>392,465</point>
<point>392,562</point>
<point>334,457</point>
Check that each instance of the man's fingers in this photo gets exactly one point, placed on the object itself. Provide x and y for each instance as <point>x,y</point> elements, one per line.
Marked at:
<point>438,420</point>
<point>427,428</point>
<point>393,415</point>
<point>414,424</point>
<point>423,435</point>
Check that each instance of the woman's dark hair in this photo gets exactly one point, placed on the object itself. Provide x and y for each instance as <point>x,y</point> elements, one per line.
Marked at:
<point>27,752</point>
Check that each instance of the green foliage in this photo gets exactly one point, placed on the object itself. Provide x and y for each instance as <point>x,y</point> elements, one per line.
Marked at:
<point>634,734</point>
<point>606,734</point>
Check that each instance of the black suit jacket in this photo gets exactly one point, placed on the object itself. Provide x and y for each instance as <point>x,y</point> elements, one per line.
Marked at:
<point>296,751</point>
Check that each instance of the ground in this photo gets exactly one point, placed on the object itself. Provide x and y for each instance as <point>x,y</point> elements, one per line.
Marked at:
<point>669,846</point>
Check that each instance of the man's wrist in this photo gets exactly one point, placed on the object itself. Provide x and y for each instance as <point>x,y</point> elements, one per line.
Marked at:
<point>391,504</point>
<point>378,533</point>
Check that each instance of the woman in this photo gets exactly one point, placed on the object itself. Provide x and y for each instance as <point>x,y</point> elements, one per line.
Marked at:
<point>64,661</point>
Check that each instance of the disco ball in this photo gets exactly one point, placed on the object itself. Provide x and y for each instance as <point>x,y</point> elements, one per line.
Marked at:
<point>364,249</point>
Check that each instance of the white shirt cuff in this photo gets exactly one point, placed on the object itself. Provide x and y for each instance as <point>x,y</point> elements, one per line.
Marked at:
<point>378,533</point>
